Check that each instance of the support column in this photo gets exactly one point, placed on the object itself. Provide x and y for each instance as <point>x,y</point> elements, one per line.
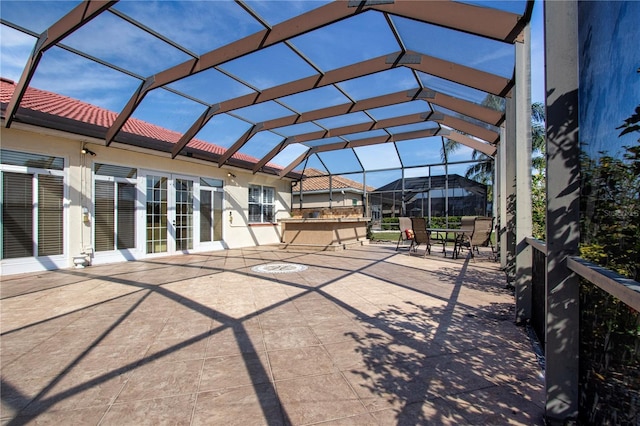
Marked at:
<point>509,200</point>
<point>563,210</point>
<point>446,192</point>
<point>330,191</point>
<point>524,223</point>
<point>429,195</point>
<point>403,206</point>
<point>501,191</point>
<point>301,179</point>
<point>365,196</point>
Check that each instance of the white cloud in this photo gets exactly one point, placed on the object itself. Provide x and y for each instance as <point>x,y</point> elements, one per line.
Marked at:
<point>289,154</point>
<point>116,41</point>
<point>15,49</point>
<point>71,75</point>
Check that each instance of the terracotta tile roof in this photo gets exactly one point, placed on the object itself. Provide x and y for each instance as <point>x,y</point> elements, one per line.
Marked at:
<point>65,107</point>
<point>315,180</point>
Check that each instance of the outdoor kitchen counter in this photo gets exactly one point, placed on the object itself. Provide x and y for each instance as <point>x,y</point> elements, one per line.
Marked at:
<point>324,233</point>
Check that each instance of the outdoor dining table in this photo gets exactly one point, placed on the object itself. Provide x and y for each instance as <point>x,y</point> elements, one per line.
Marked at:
<point>458,232</point>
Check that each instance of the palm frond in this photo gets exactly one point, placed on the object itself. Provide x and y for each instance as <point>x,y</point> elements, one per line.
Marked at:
<point>538,114</point>
<point>448,147</point>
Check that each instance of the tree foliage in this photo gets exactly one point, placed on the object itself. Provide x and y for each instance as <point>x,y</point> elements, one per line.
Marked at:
<point>483,169</point>
<point>539,205</point>
<point>610,329</point>
<point>538,140</point>
<point>611,211</point>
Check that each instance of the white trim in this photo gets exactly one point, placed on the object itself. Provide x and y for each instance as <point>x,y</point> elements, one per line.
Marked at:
<point>110,256</point>
<point>33,264</point>
<point>41,263</point>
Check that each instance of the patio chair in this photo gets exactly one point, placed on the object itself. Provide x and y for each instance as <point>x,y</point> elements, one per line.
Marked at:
<point>467,222</point>
<point>480,236</point>
<point>406,231</point>
<point>420,235</point>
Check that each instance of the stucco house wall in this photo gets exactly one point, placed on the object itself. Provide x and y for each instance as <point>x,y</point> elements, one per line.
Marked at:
<point>79,184</point>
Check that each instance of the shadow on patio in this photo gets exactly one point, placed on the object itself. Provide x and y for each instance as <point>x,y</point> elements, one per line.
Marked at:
<point>364,336</point>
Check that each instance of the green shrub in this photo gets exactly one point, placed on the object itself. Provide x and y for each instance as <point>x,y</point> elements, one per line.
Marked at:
<point>389,223</point>
<point>441,222</point>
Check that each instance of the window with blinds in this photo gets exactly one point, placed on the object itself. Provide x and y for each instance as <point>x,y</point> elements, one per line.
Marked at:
<point>206,216</point>
<point>27,159</point>
<point>17,215</point>
<point>104,215</point>
<point>50,211</point>
<point>19,209</point>
<point>217,215</point>
<point>115,211</point>
<point>126,232</point>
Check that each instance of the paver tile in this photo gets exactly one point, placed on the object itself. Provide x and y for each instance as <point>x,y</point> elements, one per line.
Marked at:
<point>318,398</point>
<point>299,362</point>
<point>241,406</point>
<point>362,337</point>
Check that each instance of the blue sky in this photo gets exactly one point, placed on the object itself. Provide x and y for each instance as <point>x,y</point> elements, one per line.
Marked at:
<point>111,39</point>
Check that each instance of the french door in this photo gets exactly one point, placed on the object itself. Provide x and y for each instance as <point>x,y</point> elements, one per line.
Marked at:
<point>169,215</point>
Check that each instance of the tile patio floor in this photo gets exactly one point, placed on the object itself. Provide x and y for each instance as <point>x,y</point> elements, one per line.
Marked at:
<point>368,336</point>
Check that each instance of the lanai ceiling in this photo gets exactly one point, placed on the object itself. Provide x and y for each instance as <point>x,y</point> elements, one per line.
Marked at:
<point>343,86</point>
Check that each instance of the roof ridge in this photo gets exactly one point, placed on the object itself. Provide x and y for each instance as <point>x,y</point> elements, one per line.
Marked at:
<point>320,181</point>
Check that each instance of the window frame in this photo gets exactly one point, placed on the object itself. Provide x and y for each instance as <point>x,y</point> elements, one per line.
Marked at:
<point>97,177</point>
<point>261,203</point>
<point>44,261</point>
<point>215,187</point>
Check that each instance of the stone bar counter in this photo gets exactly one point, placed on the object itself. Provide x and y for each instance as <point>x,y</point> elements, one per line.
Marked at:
<point>330,234</point>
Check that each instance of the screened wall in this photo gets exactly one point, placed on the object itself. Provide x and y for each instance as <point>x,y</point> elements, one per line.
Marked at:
<point>430,196</point>
<point>275,87</point>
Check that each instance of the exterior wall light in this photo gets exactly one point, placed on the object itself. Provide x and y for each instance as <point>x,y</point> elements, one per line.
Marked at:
<point>86,150</point>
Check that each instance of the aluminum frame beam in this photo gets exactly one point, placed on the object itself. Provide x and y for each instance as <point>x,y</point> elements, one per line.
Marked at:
<point>487,82</point>
<point>481,80</point>
<point>359,142</point>
<point>342,131</point>
<point>480,21</point>
<point>298,25</point>
<point>466,127</point>
<point>76,18</point>
<point>485,148</point>
<point>494,24</point>
<point>488,149</point>
<point>384,124</point>
<point>430,96</point>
